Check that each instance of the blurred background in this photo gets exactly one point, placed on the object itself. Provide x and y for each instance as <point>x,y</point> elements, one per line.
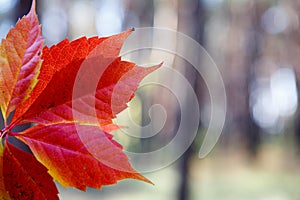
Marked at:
<point>255,44</point>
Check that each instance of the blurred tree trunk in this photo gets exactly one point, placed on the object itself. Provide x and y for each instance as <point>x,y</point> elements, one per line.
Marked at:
<point>191,21</point>
<point>253,138</point>
<point>297,117</point>
<point>294,58</point>
<point>297,114</point>
<point>240,58</point>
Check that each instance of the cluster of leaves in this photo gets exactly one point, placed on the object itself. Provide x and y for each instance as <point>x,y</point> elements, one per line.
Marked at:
<point>37,86</point>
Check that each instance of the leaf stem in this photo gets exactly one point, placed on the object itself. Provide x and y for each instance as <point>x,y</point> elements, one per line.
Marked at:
<point>7,129</point>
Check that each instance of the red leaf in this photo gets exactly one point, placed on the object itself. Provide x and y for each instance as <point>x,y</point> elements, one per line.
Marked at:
<point>61,64</point>
<point>3,193</point>
<point>24,177</point>
<point>68,90</point>
<point>116,87</point>
<point>19,62</point>
<point>79,156</point>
